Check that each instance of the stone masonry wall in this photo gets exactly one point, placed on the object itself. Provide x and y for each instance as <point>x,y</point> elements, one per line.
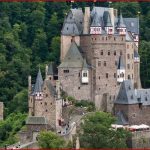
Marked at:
<point>71,83</point>
<point>135,114</point>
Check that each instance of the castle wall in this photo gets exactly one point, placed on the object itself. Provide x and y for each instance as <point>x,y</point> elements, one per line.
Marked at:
<point>134,113</point>
<point>65,44</point>
<point>71,83</point>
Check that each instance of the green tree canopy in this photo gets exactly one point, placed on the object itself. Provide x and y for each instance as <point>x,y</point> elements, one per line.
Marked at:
<point>50,140</point>
<point>96,132</point>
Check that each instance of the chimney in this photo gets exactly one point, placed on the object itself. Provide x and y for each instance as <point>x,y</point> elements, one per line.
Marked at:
<point>86,25</point>
<point>29,84</point>
<point>111,12</point>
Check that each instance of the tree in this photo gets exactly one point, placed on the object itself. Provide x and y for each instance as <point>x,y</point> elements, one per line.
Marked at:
<point>96,132</point>
<point>50,140</point>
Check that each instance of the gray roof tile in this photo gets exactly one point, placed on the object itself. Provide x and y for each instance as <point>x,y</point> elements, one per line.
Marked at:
<point>73,58</point>
<point>38,83</point>
<point>52,70</point>
<point>35,120</point>
<point>126,94</point>
<point>121,22</point>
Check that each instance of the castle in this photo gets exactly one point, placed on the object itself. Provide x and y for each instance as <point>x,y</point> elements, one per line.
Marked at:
<point>99,50</point>
<point>99,63</point>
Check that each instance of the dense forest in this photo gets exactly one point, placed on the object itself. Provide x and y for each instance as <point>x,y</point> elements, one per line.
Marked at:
<point>30,37</point>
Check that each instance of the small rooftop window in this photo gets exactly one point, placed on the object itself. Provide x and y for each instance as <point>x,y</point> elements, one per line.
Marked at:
<point>145,98</point>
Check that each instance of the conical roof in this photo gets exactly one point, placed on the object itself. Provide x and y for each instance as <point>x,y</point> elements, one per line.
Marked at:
<point>107,19</point>
<point>120,63</point>
<point>73,57</point>
<point>97,21</point>
<point>121,23</point>
<point>38,83</point>
<point>52,70</point>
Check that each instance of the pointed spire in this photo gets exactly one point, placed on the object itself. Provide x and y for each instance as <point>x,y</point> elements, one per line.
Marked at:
<point>39,82</point>
<point>120,63</point>
<point>121,21</point>
<point>107,19</point>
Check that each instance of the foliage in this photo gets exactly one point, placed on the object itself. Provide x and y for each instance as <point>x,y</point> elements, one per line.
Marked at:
<point>96,132</point>
<point>9,128</point>
<point>50,140</point>
<point>83,103</point>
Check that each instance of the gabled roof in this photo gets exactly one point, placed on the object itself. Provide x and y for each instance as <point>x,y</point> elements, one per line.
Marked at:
<point>73,57</point>
<point>120,119</point>
<point>38,83</point>
<point>132,25</point>
<point>52,70</point>
<point>120,63</point>
<point>126,94</point>
<point>35,120</point>
<point>121,23</point>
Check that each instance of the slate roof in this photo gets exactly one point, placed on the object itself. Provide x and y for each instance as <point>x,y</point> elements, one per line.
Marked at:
<point>121,22</point>
<point>120,63</point>
<point>35,120</point>
<point>129,37</point>
<point>136,53</point>
<point>143,96</point>
<point>51,88</point>
<point>129,95</point>
<point>52,69</point>
<point>73,58</point>
<point>121,119</point>
<point>97,21</point>
<point>126,94</point>
<point>38,83</point>
<point>107,19</point>
<point>73,23</point>
<point>132,25</point>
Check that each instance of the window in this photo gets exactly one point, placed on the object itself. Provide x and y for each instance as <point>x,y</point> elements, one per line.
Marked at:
<point>128,66</point>
<point>84,74</point>
<point>114,38</point>
<point>120,52</point>
<point>66,71</point>
<point>129,77</point>
<point>45,103</point>
<point>102,38</point>
<point>122,75</point>
<point>114,75</point>
<point>115,53</point>
<point>106,38</point>
<point>99,77</point>
<point>78,88</point>
<point>108,53</point>
<point>104,63</point>
<point>79,74</point>
<point>50,78</point>
<point>110,30</point>
<point>101,52</point>
<point>106,75</point>
<point>67,28</point>
<point>128,56</point>
<point>99,63</point>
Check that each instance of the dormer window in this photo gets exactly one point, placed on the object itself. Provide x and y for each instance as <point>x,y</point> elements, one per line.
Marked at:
<point>84,74</point>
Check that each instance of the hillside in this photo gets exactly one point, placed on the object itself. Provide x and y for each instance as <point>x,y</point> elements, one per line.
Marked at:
<point>30,37</point>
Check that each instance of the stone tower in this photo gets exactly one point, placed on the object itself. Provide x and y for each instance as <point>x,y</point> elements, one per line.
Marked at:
<point>44,99</point>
